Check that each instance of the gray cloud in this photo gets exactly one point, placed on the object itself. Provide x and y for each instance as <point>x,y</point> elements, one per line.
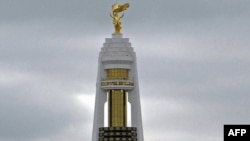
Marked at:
<point>35,108</point>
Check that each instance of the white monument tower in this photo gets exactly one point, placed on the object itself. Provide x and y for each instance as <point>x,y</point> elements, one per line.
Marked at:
<point>117,87</point>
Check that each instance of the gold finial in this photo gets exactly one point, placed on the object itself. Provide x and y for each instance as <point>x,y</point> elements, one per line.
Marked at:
<point>116,18</point>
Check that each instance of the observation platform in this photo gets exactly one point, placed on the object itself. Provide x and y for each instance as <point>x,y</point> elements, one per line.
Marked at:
<point>117,84</point>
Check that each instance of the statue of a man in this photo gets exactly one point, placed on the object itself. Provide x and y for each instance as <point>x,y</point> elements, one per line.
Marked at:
<point>116,18</point>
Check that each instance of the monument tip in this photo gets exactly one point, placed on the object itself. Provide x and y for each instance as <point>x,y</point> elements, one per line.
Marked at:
<point>116,18</point>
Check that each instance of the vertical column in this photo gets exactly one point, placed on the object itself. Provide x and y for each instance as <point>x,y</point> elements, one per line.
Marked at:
<point>117,108</point>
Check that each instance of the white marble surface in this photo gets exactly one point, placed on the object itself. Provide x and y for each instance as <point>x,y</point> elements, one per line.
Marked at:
<point>117,53</point>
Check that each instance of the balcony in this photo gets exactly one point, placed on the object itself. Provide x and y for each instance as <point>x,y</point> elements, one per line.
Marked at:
<point>117,84</point>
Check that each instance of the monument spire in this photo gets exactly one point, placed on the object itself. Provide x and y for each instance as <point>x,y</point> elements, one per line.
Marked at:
<point>117,87</point>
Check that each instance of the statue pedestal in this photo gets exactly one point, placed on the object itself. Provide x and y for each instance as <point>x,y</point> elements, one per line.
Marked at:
<point>115,35</point>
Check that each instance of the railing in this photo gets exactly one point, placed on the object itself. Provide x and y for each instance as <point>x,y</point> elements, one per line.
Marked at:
<point>117,83</point>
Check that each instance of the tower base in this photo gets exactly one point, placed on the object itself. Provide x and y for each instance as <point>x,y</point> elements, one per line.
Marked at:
<point>118,134</point>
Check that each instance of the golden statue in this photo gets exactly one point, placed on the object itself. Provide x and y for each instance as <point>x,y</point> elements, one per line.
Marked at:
<point>116,18</point>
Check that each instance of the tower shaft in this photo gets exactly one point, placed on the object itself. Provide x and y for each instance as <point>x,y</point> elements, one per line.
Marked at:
<point>117,85</point>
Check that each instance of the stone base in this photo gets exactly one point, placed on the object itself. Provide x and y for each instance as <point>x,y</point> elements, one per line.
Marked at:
<point>114,35</point>
<point>118,134</point>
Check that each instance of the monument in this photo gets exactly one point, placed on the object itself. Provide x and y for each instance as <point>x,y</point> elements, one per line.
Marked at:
<point>117,87</point>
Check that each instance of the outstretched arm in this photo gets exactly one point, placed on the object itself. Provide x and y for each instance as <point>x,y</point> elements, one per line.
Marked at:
<point>121,16</point>
<point>111,16</point>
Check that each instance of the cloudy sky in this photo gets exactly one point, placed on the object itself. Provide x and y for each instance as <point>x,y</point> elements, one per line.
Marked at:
<point>193,62</point>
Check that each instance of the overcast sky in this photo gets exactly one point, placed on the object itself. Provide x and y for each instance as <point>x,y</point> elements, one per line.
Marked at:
<point>193,66</point>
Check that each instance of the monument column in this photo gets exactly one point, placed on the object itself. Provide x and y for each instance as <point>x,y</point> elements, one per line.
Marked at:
<point>117,86</point>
